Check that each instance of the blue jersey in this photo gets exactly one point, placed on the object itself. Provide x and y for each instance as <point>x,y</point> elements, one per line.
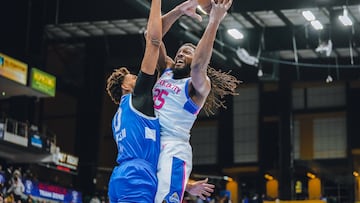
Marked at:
<point>137,137</point>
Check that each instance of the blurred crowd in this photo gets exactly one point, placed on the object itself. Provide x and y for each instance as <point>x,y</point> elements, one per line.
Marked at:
<point>11,185</point>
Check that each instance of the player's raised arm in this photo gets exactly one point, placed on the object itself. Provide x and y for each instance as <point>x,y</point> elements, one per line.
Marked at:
<point>187,8</point>
<point>153,38</point>
<point>203,52</point>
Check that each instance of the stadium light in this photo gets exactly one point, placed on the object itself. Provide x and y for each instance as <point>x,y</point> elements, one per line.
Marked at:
<point>308,15</point>
<point>236,34</point>
<point>344,19</point>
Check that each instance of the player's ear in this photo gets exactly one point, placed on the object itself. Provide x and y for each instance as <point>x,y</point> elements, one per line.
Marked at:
<point>125,87</point>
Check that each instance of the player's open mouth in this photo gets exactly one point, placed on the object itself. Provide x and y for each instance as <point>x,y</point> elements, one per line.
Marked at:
<point>179,62</point>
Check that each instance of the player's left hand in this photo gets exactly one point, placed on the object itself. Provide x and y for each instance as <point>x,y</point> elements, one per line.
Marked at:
<point>200,188</point>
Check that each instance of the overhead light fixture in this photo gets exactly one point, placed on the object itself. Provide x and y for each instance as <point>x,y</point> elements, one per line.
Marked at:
<point>235,33</point>
<point>246,58</point>
<point>308,15</point>
<point>317,25</point>
<point>344,19</point>
<point>260,73</point>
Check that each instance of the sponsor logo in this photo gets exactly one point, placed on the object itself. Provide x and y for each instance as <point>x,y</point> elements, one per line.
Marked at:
<point>174,198</point>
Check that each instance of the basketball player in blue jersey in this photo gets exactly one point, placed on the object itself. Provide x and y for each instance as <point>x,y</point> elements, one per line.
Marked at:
<point>135,126</point>
<point>180,93</point>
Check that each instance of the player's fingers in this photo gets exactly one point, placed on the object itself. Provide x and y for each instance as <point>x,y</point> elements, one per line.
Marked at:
<point>206,193</point>
<point>209,185</point>
<point>198,17</point>
<point>189,4</point>
<point>208,189</point>
<point>228,4</point>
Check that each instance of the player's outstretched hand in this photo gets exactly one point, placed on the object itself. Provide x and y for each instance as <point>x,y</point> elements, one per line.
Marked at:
<point>189,8</point>
<point>200,188</point>
<point>219,9</point>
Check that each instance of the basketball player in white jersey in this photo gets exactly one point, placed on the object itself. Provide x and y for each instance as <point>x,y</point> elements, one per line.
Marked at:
<point>179,94</point>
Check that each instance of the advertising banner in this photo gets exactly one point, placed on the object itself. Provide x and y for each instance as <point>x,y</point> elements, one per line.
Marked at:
<point>13,69</point>
<point>43,82</point>
<point>52,192</point>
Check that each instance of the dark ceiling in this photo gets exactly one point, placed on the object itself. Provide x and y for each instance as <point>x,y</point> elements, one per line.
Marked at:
<point>275,32</point>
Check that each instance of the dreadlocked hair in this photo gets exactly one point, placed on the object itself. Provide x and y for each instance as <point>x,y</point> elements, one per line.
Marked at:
<point>222,84</point>
<point>114,82</point>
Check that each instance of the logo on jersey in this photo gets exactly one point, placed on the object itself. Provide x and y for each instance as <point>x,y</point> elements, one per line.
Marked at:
<point>174,198</point>
<point>168,85</point>
<point>121,135</point>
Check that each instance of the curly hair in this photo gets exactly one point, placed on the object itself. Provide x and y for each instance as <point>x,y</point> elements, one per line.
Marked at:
<point>222,84</point>
<point>114,82</point>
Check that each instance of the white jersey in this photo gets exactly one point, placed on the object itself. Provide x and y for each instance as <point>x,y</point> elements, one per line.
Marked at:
<point>177,114</point>
<point>174,107</point>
